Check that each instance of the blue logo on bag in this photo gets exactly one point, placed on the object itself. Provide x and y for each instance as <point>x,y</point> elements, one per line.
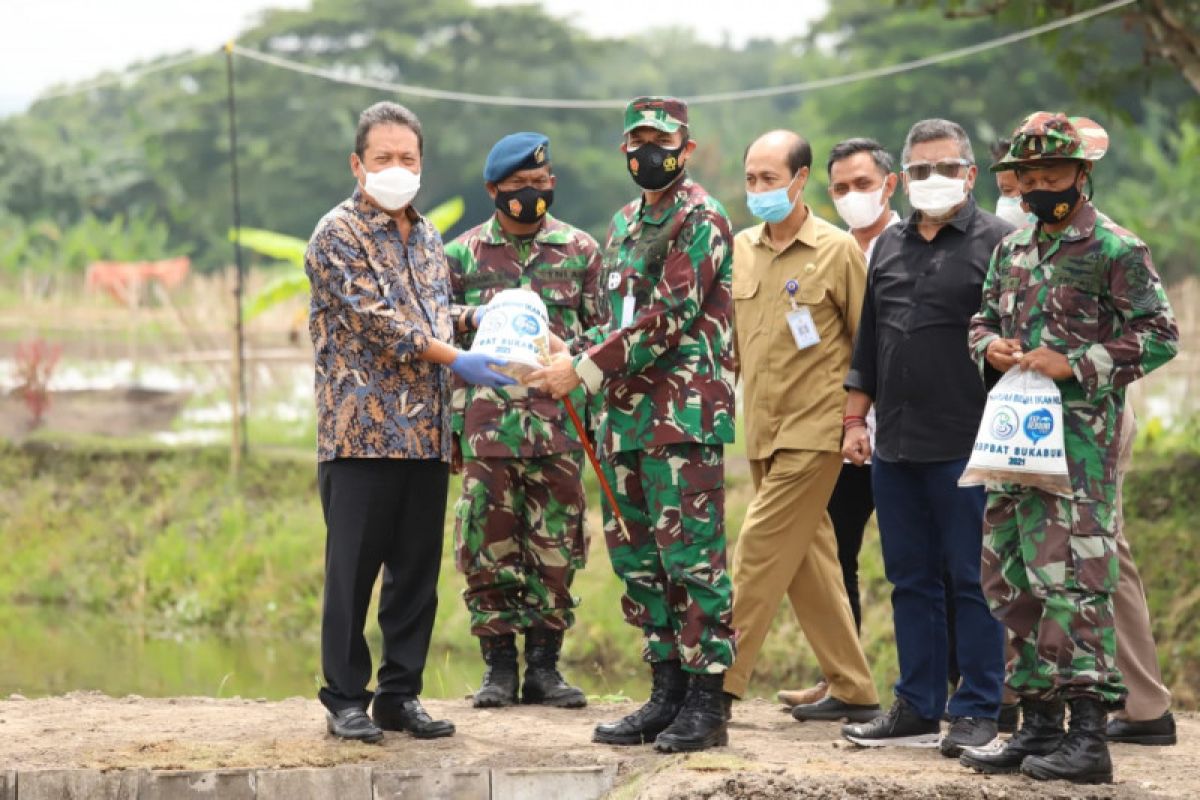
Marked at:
<point>1039,424</point>
<point>527,325</point>
<point>1005,423</point>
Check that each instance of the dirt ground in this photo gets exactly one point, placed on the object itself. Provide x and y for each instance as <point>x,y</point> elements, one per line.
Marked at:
<point>770,755</point>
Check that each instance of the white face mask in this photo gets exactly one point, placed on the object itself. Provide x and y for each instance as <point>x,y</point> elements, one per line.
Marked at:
<point>1009,209</point>
<point>860,209</point>
<point>392,188</point>
<point>937,194</point>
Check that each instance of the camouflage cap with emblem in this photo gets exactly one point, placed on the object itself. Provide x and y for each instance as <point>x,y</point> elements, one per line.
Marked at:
<point>515,152</point>
<point>1046,136</point>
<point>667,114</point>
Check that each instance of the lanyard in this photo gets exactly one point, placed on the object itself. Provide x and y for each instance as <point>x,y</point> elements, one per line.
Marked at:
<point>791,287</point>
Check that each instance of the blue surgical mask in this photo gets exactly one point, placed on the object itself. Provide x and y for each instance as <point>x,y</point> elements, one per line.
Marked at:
<point>773,206</point>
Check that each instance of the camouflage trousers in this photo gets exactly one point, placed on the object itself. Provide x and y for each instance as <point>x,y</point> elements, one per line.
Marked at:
<point>677,588</point>
<point>519,540</point>
<point>1050,570</point>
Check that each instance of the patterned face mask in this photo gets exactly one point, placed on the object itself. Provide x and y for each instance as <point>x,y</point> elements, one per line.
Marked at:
<point>654,167</point>
<point>527,204</point>
<point>1052,207</point>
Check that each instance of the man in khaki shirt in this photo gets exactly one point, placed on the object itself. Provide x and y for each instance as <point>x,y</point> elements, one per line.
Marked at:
<point>798,284</point>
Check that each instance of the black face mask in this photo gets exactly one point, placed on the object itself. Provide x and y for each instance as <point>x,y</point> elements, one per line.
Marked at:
<point>525,205</point>
<point>1052,207</point>
<point>654,167</point>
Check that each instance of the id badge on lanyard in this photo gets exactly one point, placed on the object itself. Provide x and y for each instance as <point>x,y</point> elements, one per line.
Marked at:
<point>800,320</point>
<point>628,301</point>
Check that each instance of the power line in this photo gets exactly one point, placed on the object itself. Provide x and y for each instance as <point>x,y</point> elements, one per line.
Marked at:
<point>581,104</point>
<point>124,77</point>
<point>719,97</point>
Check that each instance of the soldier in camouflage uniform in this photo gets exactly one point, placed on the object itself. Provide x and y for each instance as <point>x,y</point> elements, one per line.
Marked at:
<point>519,523</point>
<point>1076,298</point>
<point>664,364</point>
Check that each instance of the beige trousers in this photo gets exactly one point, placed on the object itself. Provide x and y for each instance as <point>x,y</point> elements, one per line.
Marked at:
<point>787,546</point>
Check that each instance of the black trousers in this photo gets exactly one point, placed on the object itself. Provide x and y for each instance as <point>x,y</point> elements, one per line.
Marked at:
<point>850,506</point>
<point>385,513</point>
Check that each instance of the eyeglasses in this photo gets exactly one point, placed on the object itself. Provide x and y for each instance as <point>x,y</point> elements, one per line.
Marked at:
<point>949,168</point>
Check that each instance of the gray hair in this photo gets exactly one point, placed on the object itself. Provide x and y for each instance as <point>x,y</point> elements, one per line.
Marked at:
<point>932,130</point>
<point>386,112</point>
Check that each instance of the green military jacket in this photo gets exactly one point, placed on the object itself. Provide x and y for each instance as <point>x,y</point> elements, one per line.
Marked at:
<point>1092,294</point>
<point>664,360</point>
<point>563,265</point>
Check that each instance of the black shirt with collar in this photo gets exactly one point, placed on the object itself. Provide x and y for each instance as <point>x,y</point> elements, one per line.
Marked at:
<point>911,354</point>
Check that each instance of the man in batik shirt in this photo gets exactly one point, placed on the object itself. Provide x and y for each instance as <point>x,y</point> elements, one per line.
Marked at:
<point>381,322</point>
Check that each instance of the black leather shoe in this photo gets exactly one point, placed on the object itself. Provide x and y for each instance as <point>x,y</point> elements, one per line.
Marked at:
<point>544,684</point>
<point>668,688</point>
<point>832,709</point>
<point>1158,732</point>
<point>700,723</point>
<point>1083,755</point>
<point>408,715</point>
<point>1040,734</point>
<point>353,724</point>
<point>499,687</point>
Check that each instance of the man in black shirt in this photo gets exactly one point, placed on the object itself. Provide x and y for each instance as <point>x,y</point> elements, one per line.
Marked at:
<point>911,361</point>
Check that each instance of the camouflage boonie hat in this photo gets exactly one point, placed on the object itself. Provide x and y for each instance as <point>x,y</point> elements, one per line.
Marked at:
<point>1043,136</point>
<point>667,114</point>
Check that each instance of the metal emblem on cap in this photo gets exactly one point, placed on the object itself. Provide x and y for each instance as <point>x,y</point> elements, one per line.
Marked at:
<point>539,155</point>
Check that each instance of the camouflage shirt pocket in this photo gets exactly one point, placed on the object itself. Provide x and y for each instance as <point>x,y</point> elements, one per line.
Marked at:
<point>559,287</point>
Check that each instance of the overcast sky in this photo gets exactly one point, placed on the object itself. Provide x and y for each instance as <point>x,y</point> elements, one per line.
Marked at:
<point>46,42</point>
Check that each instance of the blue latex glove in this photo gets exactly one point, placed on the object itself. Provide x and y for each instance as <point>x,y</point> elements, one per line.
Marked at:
<point>476,368</point>
<point>477,316</point>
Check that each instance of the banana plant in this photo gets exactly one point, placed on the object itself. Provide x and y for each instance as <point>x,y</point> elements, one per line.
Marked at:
<point>288,252</point>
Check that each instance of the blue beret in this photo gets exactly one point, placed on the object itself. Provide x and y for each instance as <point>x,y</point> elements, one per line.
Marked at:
<point>514,152</point>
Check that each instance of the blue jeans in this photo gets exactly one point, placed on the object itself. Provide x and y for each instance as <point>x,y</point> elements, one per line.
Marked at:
<point>929,527</point>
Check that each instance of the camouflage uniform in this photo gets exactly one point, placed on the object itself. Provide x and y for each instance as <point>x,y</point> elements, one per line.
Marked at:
<point>1049,563</point>
<point>667,384</point>
<point>519,534</point>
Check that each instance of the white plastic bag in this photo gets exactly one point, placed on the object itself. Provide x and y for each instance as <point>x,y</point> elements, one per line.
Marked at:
<point>1020,439</point>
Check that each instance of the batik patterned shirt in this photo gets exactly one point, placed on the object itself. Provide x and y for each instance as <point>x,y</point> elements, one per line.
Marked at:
<point>378,300</point>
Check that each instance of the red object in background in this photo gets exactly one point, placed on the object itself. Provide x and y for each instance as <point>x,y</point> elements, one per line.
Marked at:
<point>36,360</point>
<point>123,280</point>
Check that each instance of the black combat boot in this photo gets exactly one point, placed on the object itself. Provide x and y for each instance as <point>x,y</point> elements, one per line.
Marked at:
<point>701,722</point>
<point>500,678</point>
<point>1040,734</point>
<point>544,684</point>
<point>1083,755</point>
<point>667,691</point>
